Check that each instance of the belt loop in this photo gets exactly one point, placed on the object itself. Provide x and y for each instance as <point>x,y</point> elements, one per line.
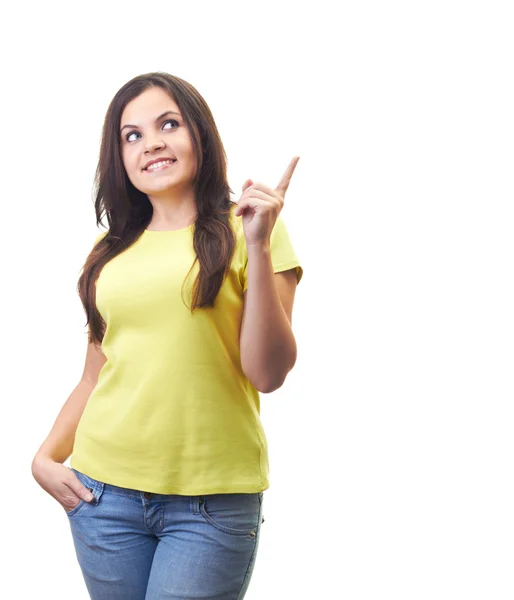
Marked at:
<point>194,502</point>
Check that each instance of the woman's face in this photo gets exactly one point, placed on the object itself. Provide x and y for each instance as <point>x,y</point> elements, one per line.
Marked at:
<point>153,134</point>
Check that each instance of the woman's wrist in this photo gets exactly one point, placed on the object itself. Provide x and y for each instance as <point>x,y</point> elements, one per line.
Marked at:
<point>41,459</point>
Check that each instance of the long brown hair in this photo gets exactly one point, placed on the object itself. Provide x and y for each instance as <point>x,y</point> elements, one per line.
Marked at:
<point>129,210</point>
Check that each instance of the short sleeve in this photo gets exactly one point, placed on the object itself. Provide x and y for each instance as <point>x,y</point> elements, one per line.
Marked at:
<point>283,255</point>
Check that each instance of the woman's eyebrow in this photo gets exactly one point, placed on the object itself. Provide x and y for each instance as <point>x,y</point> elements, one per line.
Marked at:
<point>168,112</point>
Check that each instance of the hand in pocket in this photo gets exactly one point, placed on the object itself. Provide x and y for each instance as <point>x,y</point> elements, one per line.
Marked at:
<point>60,482</point>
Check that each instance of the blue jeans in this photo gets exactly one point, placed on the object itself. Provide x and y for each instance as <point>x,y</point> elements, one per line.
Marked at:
<point>133,545</point>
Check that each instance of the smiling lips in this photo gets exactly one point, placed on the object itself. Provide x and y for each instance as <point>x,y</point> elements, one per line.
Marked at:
<point>159,165</point>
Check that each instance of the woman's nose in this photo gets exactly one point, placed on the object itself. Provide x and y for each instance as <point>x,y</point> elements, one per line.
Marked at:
<point>154,145</point>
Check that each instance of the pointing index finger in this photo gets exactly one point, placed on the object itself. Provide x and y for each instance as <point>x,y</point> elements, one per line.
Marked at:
<point>283,184</point>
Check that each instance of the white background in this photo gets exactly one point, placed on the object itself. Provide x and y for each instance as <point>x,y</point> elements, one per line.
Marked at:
<point>391,446</point>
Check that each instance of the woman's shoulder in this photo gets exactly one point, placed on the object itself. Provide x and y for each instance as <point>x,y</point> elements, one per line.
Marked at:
<point>99,237</point>
<point>237,222</point>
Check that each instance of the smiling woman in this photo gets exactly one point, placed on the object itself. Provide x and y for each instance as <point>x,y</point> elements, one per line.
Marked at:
<point>159,156</point>
<point>189,299</point>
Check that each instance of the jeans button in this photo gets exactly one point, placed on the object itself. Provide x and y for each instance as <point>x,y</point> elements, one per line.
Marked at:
<point>148,495</point>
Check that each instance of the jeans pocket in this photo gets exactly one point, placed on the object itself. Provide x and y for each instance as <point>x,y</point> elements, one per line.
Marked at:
<point>94,486</point>
<point>236,514</point>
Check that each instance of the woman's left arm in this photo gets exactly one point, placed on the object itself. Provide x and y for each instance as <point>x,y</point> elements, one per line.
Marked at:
<point>267,343</point>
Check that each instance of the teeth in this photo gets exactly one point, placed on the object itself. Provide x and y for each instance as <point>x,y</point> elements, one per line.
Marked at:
<point>159,164</point>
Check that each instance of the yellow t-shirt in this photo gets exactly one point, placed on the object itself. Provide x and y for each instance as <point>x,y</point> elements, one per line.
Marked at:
<point>173,412</point>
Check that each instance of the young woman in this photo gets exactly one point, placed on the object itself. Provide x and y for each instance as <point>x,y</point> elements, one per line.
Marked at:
<point>189,301</point>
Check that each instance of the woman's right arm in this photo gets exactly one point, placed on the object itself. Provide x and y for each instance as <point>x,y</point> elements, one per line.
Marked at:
<point>59,443</point>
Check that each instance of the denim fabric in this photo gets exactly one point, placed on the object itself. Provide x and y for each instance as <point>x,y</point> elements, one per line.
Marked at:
<point>132,545</point>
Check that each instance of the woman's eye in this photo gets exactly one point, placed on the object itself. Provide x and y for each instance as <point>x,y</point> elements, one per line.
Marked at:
<point>137,133</point>
<point>170,121</point>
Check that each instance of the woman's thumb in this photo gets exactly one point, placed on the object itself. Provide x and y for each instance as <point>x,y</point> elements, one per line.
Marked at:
<point>84,492</point>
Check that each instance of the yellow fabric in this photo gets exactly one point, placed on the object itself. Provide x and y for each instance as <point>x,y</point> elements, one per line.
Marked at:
<point>173,412</point>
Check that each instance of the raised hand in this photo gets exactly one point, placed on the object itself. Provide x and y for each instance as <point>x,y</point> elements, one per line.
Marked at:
<point>260,206</point>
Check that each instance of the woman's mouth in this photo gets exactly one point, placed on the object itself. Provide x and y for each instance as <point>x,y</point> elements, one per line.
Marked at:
<point>160,166</point>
